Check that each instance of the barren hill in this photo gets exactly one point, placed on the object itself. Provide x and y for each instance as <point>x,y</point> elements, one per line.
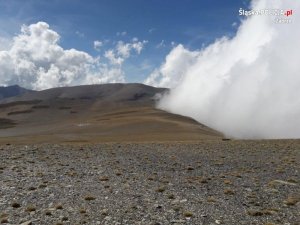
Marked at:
<point>11,91</point>
<point>95,113</point>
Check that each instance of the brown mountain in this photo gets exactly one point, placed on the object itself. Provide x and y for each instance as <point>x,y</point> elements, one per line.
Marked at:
<point>11,91</point>
<point>95,113</point>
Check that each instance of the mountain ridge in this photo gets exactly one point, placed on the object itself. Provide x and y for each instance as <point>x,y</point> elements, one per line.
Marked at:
<point>88,91</point>
<point>96,113</point>
<point>12,91</point>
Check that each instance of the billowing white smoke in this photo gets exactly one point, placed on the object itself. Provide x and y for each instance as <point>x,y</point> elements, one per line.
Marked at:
<point>34,59</point>
<point>245,87</point>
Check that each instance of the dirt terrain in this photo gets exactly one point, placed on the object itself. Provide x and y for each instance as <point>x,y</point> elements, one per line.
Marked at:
<point>208,182</point>
<point>103,154</point>
<point>95,113</point>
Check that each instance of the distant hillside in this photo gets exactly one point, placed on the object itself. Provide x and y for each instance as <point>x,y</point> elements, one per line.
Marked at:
<point>95,113</point>
<point>12,91</point>
<point>105,92</point>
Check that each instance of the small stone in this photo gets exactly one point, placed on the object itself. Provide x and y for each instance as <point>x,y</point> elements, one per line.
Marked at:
<point>104,212</point>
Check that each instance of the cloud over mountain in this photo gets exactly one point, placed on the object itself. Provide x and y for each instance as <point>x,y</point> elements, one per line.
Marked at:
<point>246,86</point>
<point>36,60</point>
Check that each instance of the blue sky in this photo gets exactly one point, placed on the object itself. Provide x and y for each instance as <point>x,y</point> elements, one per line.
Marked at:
<point>193,23</point>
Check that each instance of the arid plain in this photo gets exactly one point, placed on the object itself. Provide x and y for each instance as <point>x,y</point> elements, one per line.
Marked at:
<point>105,155</point>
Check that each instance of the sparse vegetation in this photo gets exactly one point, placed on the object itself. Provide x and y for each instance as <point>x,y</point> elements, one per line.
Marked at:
<point>19,112</point>
<point>59,206</point>
<point>228,182</point>
<point>40,107</point>
<point>32,188</point>
<point>82,211</point>
<point>48,213</point>
<point>211,199</point>
<point>228,192</point>
<point>188,214</point>
<point>161,189</point>
<point>292,200</point>
<point>104,178</point>
<point>30,208</point>
<point>15,205</point>
<point>4,220</point>
<point>89,198</point>
<point>190,168</point>
<point>171,196</point>
<point>113,183</point>
<point>6,123</point>
<point>255,212</point>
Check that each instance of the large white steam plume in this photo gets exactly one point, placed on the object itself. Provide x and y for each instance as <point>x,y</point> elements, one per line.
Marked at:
<point>247,86</point>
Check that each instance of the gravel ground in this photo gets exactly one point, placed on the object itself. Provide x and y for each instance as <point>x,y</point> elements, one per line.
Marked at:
<point>210,182</point>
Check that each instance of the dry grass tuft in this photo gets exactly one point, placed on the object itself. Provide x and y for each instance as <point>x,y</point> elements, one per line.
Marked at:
<point>228,182</point>
<point>104,178</point>
<point>228,192</point>
<point>59,206</point>
<point>15,205</point>
<point>89,198</point>
<point>30,208</point>
<point>188,214</point>
<point>252,212</point>
<point>161,189</point>
<point>82,211</point>
<point>292,200</point>
<point>4,220</point>
<point>211,199</point>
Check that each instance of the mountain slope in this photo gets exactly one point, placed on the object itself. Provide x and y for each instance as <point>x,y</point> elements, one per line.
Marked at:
<point>11,91</point>
<point>95,113</point>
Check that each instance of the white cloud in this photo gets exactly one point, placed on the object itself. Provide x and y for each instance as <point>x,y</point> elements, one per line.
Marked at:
<point>4,43</point>
<point>177,63</point>
<point>123,33</point>
<point>247,86</point>
<point>124,50</point>
<point>234,24</point>
<point>151,30</point>
<point>97,45</point>
<point>79,34</point>
<point>36,60</point>
<point>161,44</point>
<point>111,56</point>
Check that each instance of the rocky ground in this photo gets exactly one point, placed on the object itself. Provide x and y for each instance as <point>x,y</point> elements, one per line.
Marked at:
<point>210,182</point>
